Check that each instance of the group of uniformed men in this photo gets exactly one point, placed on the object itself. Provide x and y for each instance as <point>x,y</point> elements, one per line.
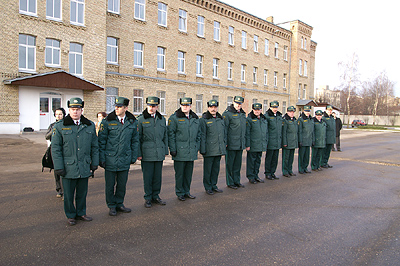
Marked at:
<point>123,139</point>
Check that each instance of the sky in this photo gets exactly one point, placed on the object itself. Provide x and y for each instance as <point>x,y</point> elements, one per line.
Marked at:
<point>341,28</point>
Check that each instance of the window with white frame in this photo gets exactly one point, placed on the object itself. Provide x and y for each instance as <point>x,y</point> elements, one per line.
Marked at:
<point>244,39</point>
<point>113,6</point>
<point>284,80</point>
<point>52,53</point>
<point>255,100</point>
<point>300,67</point>
<point>182,20</point>
<point>283,106</point>
<point>305,43</point>
<point>243,73</point>
<point>161,105</point>
<point>255,70</point>
<point>305,68</point>
<point>265,77</point>
<point>27,53</point>
<point>200,26</point>
<point>304,91</point>
<point>302,42</point>
<point>229,100</point>
<point>276,50</point>
<point>217,26</point>
<point>111,95</point>
<point>179,96</point>
<point>230,70</point>
<point>181,62</point>
<point>138,54</point>
<point>137,101</point>
<point>275,79</point>
<point>140,9</point>
<point>255,43</point>
<point>75,58</point>
<point>266,47</point>
<point>162,14</point>
<point>160,58</point>
<point>215,97</point>
<point>199,65</point>
<point>285,53</point>
<point>112,50</point>
<point>299,91</point>
<point>215,67</point>
<point>53,9</point>
<point>265,106</point>
<point>27,7</point>
<point>199,103</point>
<point>231,32</point>
<point>77,12</point>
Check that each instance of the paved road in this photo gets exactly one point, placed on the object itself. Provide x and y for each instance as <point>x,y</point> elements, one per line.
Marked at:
<point>347,215</point>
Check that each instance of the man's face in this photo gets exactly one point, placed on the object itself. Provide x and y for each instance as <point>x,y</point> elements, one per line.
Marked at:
<point>237,106</point>
<point>75,113</point>
<point>329,111</point>
<point>152,109</point>
<point>318,117</point>
<point>257,112</point>
<point>334,114</point>
<point>100,117</point>
<point>120,110</point>
<point>59,115</point>
<point>274,109</point>
<point>307,113</point>
<point>290,114</point>
<point>185,109</point>
<point>213,110</point>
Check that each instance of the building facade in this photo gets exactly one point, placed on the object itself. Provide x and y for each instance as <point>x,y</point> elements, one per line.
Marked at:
<point>323,94</point>
<point>99,50</point>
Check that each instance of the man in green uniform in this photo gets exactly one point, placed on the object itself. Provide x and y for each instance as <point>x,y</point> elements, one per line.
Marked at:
<point>153,146</point>
<point>274,118</point>
<point>256,142</point>
<point>184,144</point>
<point>118,145</point>
<point>235,125</point>
<point>306,135</point>
<point>75,153</point>
<point>319,141</point>
<point>330,136</point>
<point>290,131</point>
<point>212,146</point>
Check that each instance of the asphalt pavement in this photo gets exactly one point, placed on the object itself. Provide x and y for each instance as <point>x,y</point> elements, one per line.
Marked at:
<point>346,215</point>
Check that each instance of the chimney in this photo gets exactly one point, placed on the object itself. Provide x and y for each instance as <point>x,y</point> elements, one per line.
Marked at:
<point>270,19</point>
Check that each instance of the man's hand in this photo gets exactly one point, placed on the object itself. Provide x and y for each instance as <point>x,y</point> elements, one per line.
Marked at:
<point>60,172</point>
<point>102,164</point>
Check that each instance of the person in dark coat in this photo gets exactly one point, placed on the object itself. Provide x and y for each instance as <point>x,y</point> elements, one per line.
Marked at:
<point>330,136</point>
<point>118,145</point>
<point>75,151</point>
<point>339,126</point>
<point>290,141</point>
<point>319,141</point>
<point>212,146</point>
<point>306,135</point>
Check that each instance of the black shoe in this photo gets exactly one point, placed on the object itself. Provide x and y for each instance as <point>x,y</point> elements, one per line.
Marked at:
<point>147,204</point>
<point>71,221</point>
<point>217,190</point>
<point>306,171</point>
<point>112,212</point>
<point>339,150</point>
<point>324,166</point>
<point>239,185</point>
<point>274,176</point>
<point>181,198</point>
<point>259,180</point>
<point>123,209</point>
<point>209,192</point>
<point>84,218</point>
<point>302,173</point>
<point>329,166</point>
<point>286,175</point>
<point>159,201</point>
<point>269,177</point>
<point>292,174</point>
<point>232,187</point>
<point>252,181</point>
<point>189,196</point>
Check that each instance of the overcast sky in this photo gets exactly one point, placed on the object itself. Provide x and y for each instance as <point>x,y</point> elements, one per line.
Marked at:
<point>341,28</point>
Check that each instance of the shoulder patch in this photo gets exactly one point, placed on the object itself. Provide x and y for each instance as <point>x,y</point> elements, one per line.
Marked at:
<point>209,122</point>
<point>146,122</point>
<point>66,128</point>
<point>114,124</point>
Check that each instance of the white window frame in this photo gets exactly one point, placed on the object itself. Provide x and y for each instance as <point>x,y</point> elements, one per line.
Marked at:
<point>229,100</point>
<point>255,70</point>
<point>137,101</point>
<point>304,91</point>
<point>199,65</point>
<point>266,47</point>
<point>300,67</point>
<point>231,35</point>
<point>111,95</point>
<point>230,70</point>
<point>244,39</point>
<point>299,91</point>
<point>138,52</point>
<point>284,80</point>
<point>302,42</point>
<point>305,43</point>
<point>162,96</point>
<point>27,45</point>
<point>51,10</point>
<point>243,73</point>
<point>53,51</point>
<point>276,50</point>
<point>140,10</point>
<point>182,20</point>
<point>162,14</point>
<point>181,62</point>
<point>265,77</point>
<point>200,26</point>
<point>217,31</point>
<point>112,51</point>
<point>305,68</point>
<point>265,106</point>
<point>113,6</point>
<point>215,68</point>
<point>30,7</point>
<point>285,53</point>
<point>79,13</point>
<point>199,104</point>
<point>161,51</point>
<point>275,79</point>
<point>75,55</point>
<point>255,43</point>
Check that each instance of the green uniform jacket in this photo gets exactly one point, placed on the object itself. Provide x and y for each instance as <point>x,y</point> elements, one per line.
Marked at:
<point>256,133</point>
<point>330,128</point>
<point>274,130</point>
<point>319,133</point>
<point>213,135</point>
<point>118,144</point>
<point>184,136</point>
<point>235,125</point>
<point>75,149</point>
<point>290,131</point>
<point>153,137</point>
<point>306,130</point>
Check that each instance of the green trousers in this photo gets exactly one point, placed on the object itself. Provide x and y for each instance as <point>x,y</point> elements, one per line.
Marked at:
<point>304,158</point>
<point>211,166</point>
<point>253,162</point>
<point>72,186</point>
<point>115,187</point>
<point>326,154</point>
<point>316,157</point>
<point>152,173</point>
<point>271,161</point>
<point>183,177</point>
<point>233,162</point>
<point>287,161</point>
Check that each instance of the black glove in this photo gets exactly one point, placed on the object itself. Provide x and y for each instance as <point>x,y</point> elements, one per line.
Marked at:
<point>203,153</point>
<point>173,153</point>
<point>60,172</point>
<point>93,168</point>
<point>300,145</point>
<point>102,164</point>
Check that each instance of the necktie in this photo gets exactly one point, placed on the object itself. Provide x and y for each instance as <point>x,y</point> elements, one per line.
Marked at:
<point>77,123</point>
<point>122,121</point>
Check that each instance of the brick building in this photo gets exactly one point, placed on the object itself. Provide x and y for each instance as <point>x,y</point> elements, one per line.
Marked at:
<point>53,50</point>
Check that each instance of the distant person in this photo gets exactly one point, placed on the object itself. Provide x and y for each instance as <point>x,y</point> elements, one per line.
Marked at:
<point>339,126</point>
<point>319,141</point>
<point>306,134</point>
<point>100,117</point>
<point>330,136</point>
<point>59,114</point>
<point>290,140</point>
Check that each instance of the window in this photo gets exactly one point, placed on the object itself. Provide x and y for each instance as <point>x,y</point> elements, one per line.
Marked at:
<point>265,77</point>
<point>255,100</point>
<point>27,53</point>
<point>161,106</point>
<point>200,26</point>
<point>243,73</point>
<point>266,47</point>
<point>299,92</point>
<point>27,7</point>
<point>140,9</point>
<point>111,95</point>
<point>302,42</point>
<point>112,50</point>
<point>244,39</point>
<point>229,100</point>
<point>138,54</point>
<point>265,106</point>
<point>276,50</point>
<point>215,68</point>
<point>230,70</point>
<point>160,58</point>
<point>179,96</point>
<point>284,80</point>
<point>304,91</point>
<point>283,106</point>
<point>285,52</point>
<point>113,6</point>
<point>215,97</point>
<point>53,9</point>
<point>199,103</point>
<point>255,43</point>
<point>231,31</point>
<point>182,20</point>
<point>217,26</point>
<point>305,43</point>
<point>275,79</point>
<point>255,70</point>
<point>181,62</point>
<point>52,53</point>
<point>305,68</point>
<point>199,65</point>
<point>137,101</point>
<point>162,14</point>
<point>75,58</point>
<point>300,67</point>
<point>77,12</point>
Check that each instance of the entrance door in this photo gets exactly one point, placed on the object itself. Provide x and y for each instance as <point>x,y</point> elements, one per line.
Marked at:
<point>48,103</point>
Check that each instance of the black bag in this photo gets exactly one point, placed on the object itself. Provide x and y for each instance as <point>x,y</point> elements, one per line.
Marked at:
<point>47,160</point>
